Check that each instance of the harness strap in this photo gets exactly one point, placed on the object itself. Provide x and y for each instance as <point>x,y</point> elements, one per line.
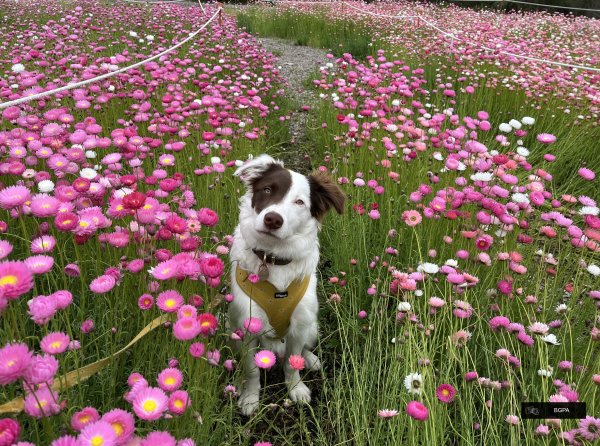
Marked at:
<point>279,306</point>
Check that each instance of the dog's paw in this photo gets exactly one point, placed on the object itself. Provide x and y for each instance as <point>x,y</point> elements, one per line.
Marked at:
<point>312,362</point>
<point>248,402</point>
<point>300,393</point>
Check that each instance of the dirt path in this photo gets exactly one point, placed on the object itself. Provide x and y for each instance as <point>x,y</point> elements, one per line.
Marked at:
<point>297,64</point>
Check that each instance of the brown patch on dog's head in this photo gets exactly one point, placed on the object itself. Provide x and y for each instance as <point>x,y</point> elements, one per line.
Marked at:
<point>270,187</point>
<point>324,195</point>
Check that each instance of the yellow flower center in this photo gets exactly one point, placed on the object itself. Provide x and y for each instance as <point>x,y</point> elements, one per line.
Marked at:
<point>205,324</point>
<point>84,224</point>
<point>97,440</point>
<point>84,419</point>
<point>118,428</point>
<point>170,303</point>
<point>10,363</point>
<point>8,280</point>
<point>149,405</point>
<point>119,207</point>
<point>56,344</point>
<point>445,392</point>
<point>147,206</point>
<point>265,360</point>
<point>170,381</point>
<point>178,404</point>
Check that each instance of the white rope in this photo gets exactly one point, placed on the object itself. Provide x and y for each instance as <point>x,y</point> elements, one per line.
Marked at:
<point>454,36</point>
<point>543,5</point>
<point>112,73</point>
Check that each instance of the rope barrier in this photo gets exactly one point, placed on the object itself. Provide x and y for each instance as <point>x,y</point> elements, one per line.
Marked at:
<point>543,5</point>
<point>112,73</point>
<point>460,39</point>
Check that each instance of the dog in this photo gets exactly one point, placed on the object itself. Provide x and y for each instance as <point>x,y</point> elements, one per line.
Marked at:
<point>277,241</point>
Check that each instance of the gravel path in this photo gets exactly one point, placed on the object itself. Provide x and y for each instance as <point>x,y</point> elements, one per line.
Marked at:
<point>297,63</point>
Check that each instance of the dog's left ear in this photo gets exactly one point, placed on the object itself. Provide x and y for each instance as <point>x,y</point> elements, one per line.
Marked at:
<point>254,168</point>
<point>324,195</point>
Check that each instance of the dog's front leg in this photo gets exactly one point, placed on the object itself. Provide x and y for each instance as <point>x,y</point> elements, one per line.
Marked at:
<point>297,389</point>
<point>250,396</point>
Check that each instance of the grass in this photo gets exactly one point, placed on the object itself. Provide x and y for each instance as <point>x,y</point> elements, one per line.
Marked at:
<point>363,369</point>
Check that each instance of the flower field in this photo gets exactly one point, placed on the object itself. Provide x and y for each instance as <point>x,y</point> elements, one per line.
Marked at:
<point>462,280</point>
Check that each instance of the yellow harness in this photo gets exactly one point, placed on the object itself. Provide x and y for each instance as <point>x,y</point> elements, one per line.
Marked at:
<point>279,305</point>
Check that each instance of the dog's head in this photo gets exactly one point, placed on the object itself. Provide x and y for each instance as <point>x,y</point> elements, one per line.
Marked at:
<point>281,204</point>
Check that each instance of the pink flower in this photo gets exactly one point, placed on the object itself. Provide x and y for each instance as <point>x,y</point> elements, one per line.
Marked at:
<point>211,266</point>
<point>15,279</point>
<point>445,393</point>
<point>54,343</point>
<point>42,403</point>
<point>264,359</point>
<point>146,301</point>
<point>39,264</point>
<point>186,328</point>
<point>208,324</point>
<point>84,417</point>
<point>169,301</point>
<point>159,438</point>
<point>42,369</point>
<point>197,349</point>
<point>122,423</point>
<point>13,196</point>
<point>98,433</point>
<point>150,403</point>
<point>417,411</point>
<point>253,325</point>
<point>179,401</point>
<point>387,413</point>
<point>9,431</point>
<point>546,138</point>
<point>15,360</point>
<point>586,174</point>
<point>208,217</point>
<point>296,362</point>
<point>170,379</point>
<point>42,309</point>
<point>103,284</point>
<point>412,217</point>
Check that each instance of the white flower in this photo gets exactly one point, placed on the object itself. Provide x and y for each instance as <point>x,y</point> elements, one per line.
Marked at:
<point>594,270</point>
<point>451,262</point>
<point>429,268</point>
<point>396,103</point>
<point>150,37</point>
<point>239,163</point>
<point>404,307</point>
<point>418,293</point>
<point>520,198</point>
<point>18,68</point>
<point>550,339</point>
<point>90,154</point>
<point>561,308</point>
<point>242,124</point>
<point>28,173</point>
<point>133,34</point>
<point>527,120</point>
<point>522,151</point>
<point>504,127</point>
<point>514,124</point>
<point>588,210</point>
<point>546,373</point>
<point>215,160</point>
<point>482,176</point>
<point>46,186</point>
<point>120,193</point>
<point>438,156</point>
<point>413,383</point>
<point>88,173</point>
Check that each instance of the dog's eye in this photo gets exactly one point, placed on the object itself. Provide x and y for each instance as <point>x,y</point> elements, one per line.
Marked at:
<point>267,190</point>
<point>300,202</point>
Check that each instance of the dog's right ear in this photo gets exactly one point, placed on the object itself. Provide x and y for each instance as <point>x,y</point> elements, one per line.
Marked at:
<point>254,168</point>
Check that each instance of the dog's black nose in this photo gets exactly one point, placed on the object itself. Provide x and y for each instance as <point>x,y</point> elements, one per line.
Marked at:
<point>273,220</point>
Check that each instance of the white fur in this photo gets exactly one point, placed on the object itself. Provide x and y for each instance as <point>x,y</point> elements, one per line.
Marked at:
<point>297,240</point>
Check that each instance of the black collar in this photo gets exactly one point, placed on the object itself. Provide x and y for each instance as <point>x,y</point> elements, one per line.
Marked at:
<point>270,258</point>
